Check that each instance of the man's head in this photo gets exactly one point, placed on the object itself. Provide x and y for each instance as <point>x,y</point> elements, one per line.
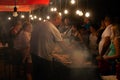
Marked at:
<point>55,18</point>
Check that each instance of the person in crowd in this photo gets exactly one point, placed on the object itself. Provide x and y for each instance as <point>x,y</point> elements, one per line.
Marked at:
<point>85,36</point>
<point>45,37</point>
<point>3,35</point>
<point>75,37</point>
<point>100,31</point>
<point>13,32</point>
<point>113,53</point>
<point>105,40</point>
<point>22,47</point>
<point>66,30</point>
<point>93,40</point>
<point>65,25</point>
<point>86,25</point>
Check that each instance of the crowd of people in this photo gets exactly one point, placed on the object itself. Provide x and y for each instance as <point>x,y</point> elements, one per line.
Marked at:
<point>34,44</point>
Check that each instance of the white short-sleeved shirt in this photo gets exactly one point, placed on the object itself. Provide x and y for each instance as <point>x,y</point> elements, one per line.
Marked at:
<point>107,33</point>
<point>44,39</point>
<point>92,42</point>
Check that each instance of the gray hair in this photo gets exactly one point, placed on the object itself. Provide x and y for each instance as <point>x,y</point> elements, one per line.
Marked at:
<point>54,15</point>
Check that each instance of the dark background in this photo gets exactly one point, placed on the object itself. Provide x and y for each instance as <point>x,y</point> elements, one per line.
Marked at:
<point>98,8</point>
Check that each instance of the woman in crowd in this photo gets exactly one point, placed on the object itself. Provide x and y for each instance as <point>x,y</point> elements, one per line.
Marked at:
<point>75,37</point>
<point>22,46</point>
<point>114,49</point>
<point>113,53</point>
<point>93,40</point>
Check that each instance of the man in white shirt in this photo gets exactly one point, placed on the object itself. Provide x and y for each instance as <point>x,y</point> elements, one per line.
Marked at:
<point>105,40</point>
<point>45,37</point>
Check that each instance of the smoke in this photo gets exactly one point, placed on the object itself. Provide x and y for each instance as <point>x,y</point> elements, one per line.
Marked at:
<point>79,58</point>
<point>82,66</point>
<point>81,63</point>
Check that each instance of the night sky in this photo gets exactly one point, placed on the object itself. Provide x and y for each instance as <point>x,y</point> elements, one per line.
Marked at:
<point>98,8</point>
<point>102,8</point>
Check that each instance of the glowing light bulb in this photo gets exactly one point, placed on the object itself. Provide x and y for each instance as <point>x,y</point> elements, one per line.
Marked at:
<point>22,16</point>
<point>30,15</point>
<point>32,18</point>
<point>87,14</point>
<point>52,9</point>
<point>35,17</point>
<point>66,11</point>
<point>44,20</point>
<point>40,18</point>
<point>55,9</point>
<point>60,13</point>
<point>72,1</point>
<point>80,13</point>
<point>48,17</point>
<point>77,11</point>
<point>9,18</point>
<point>15,14</point>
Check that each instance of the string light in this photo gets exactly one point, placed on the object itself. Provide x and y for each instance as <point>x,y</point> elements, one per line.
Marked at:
<point>87,14</point>
<point>66,11</point>
<point>35,17</point>
<point>22,16</point>
<point>55,9</point>
<point>44,20</point>
<point>30,15</point>
<point>9,18</point>
<point>15,14</point>
<point>52,9</point>
<point>40,18</point>
<point>80,13</point>
<point>32,18</point>
<point>48,17</point>
<point>72,1</point>
<point>77,11</point>
<point>60,13</point>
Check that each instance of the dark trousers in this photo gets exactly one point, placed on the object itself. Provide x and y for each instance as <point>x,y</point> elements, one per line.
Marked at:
<point>41,68</point>
<point>49,70</point>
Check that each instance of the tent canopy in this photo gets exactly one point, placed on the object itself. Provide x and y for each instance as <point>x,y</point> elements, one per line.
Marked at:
<point>22,5</point>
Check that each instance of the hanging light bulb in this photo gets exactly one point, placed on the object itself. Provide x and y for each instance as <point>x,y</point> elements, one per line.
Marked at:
<point>77,11</point>
<point>87,14</point>
<point>30,15</point>
<point>9,18</point>
<point>48,17</point>
<point>22,16</point>
<point>40,18</point>
<point>60,13</point>
<point>15,14</point>
<point>35,17</point>
<point>44,20</point>
<point>32,18</point>
<point>72,1</point>
<point>80,13</point>
<point>55,9</point>
<point>65,11</point>
<point>52,9</point>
